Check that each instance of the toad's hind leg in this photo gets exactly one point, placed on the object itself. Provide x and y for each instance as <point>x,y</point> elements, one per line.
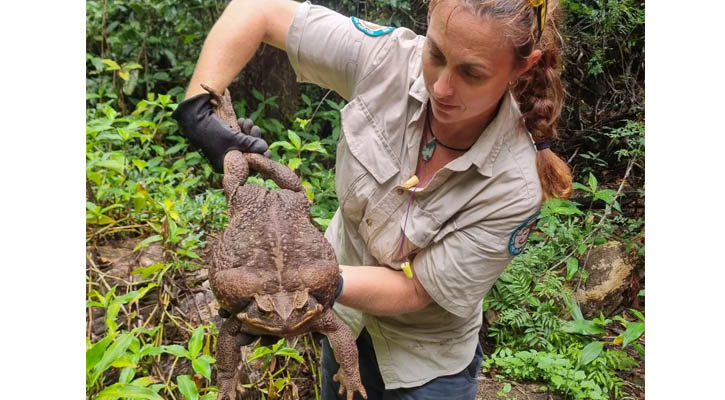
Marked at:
<point>280,174</point>
<point>345,351</point>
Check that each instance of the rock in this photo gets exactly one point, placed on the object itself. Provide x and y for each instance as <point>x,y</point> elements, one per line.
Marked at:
<point>610,272</point>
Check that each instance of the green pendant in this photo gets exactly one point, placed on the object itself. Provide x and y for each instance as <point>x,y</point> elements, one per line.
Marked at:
<point>428,149</point>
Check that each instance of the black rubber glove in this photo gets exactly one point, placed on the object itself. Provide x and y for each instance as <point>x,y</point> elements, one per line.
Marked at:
<point>212,135</point>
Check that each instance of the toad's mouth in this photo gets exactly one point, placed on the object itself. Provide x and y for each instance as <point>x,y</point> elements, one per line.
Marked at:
<point>275,324</point>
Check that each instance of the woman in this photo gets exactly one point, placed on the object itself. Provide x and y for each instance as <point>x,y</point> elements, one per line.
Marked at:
<point>437,175</point>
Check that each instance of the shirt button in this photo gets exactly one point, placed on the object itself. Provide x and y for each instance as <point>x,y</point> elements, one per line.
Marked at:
<point>399,191</point>
<point>369,222</point>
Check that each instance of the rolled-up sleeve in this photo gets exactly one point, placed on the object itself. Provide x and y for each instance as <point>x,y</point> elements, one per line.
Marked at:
<point>460,269</point>
<point>325,48</point>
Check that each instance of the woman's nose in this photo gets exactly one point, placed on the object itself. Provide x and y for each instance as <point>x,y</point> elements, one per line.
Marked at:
<point>443,88</point>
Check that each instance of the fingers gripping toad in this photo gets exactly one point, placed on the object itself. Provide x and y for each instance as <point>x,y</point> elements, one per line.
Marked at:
<point>271,268</point>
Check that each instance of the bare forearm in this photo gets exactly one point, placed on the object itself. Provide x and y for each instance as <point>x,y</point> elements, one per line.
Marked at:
<point>381,291</point>
<point>235,37</point>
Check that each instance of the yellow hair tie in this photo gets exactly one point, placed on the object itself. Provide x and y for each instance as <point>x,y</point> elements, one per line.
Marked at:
<point>540,6</point>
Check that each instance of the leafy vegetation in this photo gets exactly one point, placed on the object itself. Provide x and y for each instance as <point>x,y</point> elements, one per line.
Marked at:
<point>145,183</point>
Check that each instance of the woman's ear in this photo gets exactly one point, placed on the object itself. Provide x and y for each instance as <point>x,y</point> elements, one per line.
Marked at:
<point>529,62</point>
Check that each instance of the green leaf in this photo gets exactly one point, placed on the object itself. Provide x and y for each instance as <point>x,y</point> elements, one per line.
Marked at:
<point>633,332</point>
<point>582,326</point>
<point>289,352</point>
<point>572,266</point>
<point>607,195</point>
<point>187,387</point>
<point>641,293</point>
<point>590,352</point>
<point>294,163</point>
<point>126,390</point>
<point>259,352</point>
<point>202,367</point>
<point>314,146</point>
<point>581,187</point>
<point>284,144</point>
<point>592,182</point>
<point>135,295</point>
<point>114,352</point>
<point>124,75</point>
<point>148,271</point>
<point>132,65</point>
<point>147,241</point>
<point>110,64</point>
<point>95,352</point>
<point>294,139</point>
<point>637,313</point>
<point>177,350</point>
<point>196,341</point>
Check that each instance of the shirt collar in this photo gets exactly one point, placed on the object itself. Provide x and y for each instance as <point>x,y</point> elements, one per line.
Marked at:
<point>484,151</point>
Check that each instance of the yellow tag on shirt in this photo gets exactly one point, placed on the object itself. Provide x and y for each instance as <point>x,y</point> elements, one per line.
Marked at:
<point>407,270</point>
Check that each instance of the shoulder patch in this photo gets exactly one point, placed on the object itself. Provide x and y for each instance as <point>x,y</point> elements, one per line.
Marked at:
<point>518,238</point>
<point>371,29</point>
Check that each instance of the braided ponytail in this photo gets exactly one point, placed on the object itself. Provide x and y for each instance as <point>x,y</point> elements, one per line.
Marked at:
<point>540,94</point>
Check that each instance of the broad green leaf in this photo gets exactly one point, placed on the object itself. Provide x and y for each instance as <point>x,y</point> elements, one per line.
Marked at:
<point>294,163</point>
<point>291,353</point>
<point>111,313</point>
<point>637,313</point>
<point>592,182</point>
<point>579,375</point>
<point>633,332</point>
<point>127,373</point>
<point>187,387</point>
<point>279,384</point>
<point>590,352</point>
<point>314,146</point>
<point>641,293</point>
<point>177,350</point>
<point>581,187</point>
<point>114,164</point>
<point>124,75</point>
<point>144,381</point>
<point>294,139</point>
<point>599,240</point>
<point>140,164</point>
<point>126,390</point>
<point>132,65</point>
<point>259,352</point>
<point>148,271</point>
<point>123,362</point>
<point>110,64</point>
<point>196,341</point>
<point>135,295</point>
<point>582,326</point>
<point>572,266</point>
<point>114,352</point>
<point>99,219</point>
<point>150,350</point>
<point>202,367</point>
<point>284,144</point>
<point>94,354</point>
<point>607,195</point>
<point>147,241</point>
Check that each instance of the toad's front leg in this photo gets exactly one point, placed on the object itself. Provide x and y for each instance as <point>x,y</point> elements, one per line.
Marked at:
<point>227,356</point>
<point>345,351</point>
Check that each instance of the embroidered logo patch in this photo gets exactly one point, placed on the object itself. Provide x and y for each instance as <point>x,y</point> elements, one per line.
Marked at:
<point>371,29</point>
<point>518,238</point>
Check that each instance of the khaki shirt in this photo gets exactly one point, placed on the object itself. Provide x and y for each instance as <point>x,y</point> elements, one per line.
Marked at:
<point>459,226</point>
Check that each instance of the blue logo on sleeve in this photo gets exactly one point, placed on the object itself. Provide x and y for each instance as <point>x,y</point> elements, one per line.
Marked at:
<point>518,238</point>
<point>371,29</point>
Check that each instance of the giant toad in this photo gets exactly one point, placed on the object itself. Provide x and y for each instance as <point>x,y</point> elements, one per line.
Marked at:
<point>271,268</point>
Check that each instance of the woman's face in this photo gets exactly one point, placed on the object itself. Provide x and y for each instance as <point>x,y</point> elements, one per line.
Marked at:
<point>467,64</point>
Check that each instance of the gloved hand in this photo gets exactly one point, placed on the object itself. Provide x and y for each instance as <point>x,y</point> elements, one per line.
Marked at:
<point>213,136</point>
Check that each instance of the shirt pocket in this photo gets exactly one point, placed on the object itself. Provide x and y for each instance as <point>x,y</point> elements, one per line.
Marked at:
<point>365,160</point>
